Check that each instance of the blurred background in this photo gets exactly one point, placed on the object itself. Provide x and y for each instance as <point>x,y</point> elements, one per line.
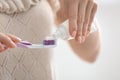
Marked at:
<point>69,67</point>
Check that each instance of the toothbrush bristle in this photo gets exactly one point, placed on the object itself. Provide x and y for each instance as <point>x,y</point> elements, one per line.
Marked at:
<point>48,42</point>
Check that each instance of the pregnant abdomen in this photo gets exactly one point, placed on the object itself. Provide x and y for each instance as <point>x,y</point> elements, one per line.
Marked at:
<point>27,64</point>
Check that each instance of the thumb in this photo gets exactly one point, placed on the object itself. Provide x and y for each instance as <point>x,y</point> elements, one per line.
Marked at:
<point>61,16</point>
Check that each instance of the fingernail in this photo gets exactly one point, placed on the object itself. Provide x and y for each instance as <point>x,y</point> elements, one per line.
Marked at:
<point>80,39</point>
<point>74,33</point>
<point>19,39</point>
<point>83,39</point>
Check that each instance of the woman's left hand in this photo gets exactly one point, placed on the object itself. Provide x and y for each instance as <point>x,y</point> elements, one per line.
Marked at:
<point>80,14</point>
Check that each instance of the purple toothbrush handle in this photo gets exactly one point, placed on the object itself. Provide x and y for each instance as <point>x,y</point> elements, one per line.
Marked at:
<point>24,44</point>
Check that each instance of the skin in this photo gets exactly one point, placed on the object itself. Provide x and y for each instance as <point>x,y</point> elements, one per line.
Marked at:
<point>80,14</point>
<point>8,41</point>
<point>81,45</point>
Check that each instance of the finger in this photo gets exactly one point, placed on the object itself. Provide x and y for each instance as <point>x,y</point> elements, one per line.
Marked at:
<point>61,17</point>
<point>81,16</point>
<point>72,14</point>
<point>7,41</point>
<point>2,51</point>
<point>1,48</point>
<point>93,12</point>
<point>87,18</point>
<point>14,38</point>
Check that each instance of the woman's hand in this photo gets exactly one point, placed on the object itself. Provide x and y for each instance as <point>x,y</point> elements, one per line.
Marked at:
<point>80,14</point>
<point>8,41</point>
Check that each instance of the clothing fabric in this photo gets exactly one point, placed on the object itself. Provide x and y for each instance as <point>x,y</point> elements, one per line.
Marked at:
<point>33,25</point>
<point>16,6</point>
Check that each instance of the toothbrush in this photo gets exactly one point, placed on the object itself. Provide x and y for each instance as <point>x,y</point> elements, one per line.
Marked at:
<point>50,42</point>
<point>45,44</point>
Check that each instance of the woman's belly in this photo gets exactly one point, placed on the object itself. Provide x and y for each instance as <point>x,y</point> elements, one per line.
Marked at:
<point>27,64</point>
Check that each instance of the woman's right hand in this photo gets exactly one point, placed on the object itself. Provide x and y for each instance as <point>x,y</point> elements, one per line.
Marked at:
<point>8,41</point>
<point>80,14</point>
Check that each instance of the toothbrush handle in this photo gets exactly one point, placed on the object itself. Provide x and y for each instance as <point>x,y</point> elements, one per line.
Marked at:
<point>26,44</point>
